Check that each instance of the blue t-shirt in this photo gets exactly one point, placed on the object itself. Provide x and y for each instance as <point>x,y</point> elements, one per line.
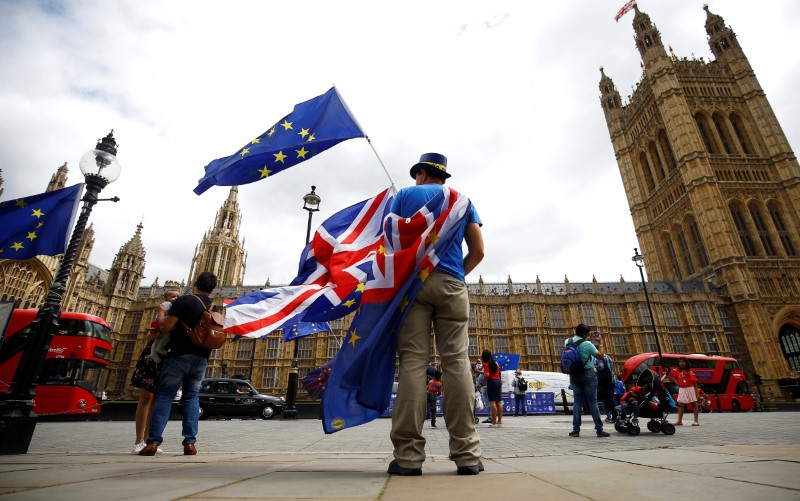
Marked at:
<point>409,200</point>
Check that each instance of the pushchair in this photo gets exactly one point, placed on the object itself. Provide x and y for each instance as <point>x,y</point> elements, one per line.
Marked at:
<point>655,407</point>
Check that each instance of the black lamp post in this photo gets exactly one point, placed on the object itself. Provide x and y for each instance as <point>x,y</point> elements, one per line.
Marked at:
<point>311,204</point>
<point>17,419</point>
<point>639,260</point>
<point>549,342</point>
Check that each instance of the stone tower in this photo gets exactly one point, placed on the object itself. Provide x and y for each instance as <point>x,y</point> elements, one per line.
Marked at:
<point>713,186</point>
<point>220,251</point>
<point>59,179</point>
<point>124,278</point>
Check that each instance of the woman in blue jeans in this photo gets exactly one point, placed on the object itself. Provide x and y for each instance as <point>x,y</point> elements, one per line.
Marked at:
<point>584,381</point>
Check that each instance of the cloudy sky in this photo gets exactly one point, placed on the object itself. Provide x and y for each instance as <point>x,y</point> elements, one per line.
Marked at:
<point>508,90</point>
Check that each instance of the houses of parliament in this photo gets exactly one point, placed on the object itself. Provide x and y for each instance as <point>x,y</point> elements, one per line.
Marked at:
<point>714,192</point>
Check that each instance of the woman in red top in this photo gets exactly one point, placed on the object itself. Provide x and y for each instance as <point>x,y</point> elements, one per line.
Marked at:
<point>687,389</point>
<point>491,374</point>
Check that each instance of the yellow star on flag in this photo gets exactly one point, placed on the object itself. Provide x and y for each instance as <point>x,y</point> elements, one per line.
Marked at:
<point>349,303</point>
<point>360,287</point>
<point>21,203</point>
<point>265,172</point>
<point>301,153</point>
<point>304,133</point>
<point>433,237</point>
<point>354,338</point>
<point>41,223</point>
<point>245,151</point>
<point>381,249</point>
<point>17,246</point>
<point>271,132</point>
<point>255,141</point>
<point>423,274</point>
<point>286,124</point>
<point>279,157</point>
<point>31,235</point>
<point>38,213</point>
<point>310,138</point>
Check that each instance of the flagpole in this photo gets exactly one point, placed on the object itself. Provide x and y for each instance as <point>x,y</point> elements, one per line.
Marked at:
<point>344,103</point>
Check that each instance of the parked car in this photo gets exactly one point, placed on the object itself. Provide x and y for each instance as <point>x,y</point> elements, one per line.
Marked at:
<point>236,397</point>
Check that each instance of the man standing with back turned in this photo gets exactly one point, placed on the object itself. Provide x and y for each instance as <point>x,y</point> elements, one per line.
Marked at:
<point>184,366</point>
<point>443,301</point>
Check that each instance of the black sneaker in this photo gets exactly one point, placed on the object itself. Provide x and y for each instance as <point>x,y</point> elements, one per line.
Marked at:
<point>396,469</point>
<point>433,425</point>
<point>574,434</point>
<point>603,434</point>
<point>470,470</point>
<point>486,421</point>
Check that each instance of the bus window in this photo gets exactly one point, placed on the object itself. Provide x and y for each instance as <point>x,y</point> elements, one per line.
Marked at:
<point>743,388</point>
<point>99,331</point>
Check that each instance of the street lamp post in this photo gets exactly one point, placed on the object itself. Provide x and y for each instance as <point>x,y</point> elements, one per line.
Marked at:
<point>550,347</point>
<point>17,419</point>
<point>639,260</point>
<point>311,204</point>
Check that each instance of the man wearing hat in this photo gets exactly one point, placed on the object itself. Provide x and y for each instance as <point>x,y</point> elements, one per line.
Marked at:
<point>443,302</point>
<point>520,387</point>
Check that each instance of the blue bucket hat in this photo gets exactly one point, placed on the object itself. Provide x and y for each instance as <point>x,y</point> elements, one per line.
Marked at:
<point>434,163</point>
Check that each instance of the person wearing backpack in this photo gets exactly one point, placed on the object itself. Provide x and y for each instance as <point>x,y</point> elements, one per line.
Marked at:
<point>605,386</point>
<point>582,378</point>
<point>184,366</point>
<point>520,387</point>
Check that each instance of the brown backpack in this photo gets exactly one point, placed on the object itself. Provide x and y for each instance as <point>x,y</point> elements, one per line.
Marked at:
<point>207,333</point>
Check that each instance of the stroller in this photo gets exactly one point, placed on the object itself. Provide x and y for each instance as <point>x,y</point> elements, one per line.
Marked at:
<point>655,406</point>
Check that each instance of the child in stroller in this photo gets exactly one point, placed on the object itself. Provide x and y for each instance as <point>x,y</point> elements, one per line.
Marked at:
<point>648,399</point>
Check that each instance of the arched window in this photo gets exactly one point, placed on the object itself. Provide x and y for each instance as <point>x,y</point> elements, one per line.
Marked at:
<point>789,338</point>
<point>741,134</point>
<point>673,258</point>
<point>724,135</point>
<point>648,176</point>
<point>705,134</point>
<point>741,228</point>
<point>761,228</point>
<point>685,252</point>
<point>666,149</point>
<point>783,235</point>
<point>697,241</point>
<point>657,161</point>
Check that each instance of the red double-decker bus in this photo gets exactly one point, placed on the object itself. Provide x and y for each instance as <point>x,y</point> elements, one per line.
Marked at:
<point>720,378</point>
<point>74,372</point>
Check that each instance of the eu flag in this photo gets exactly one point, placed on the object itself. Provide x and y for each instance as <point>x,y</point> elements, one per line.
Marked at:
<point>38,225</point>
<point>507,361</point>
<point>311,128</point>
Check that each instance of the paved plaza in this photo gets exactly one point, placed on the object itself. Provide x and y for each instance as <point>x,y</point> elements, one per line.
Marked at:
<point>730,456</point>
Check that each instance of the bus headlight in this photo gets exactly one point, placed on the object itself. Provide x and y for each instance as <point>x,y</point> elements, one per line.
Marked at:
<point>81,404</point>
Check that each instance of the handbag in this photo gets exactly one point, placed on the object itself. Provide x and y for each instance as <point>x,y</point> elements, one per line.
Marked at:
<point>479,401</point>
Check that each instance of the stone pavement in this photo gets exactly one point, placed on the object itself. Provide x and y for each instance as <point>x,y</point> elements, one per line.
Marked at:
<point>730,456</point>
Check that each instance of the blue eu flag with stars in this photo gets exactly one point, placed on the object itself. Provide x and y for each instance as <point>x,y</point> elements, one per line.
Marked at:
<point>311,128</point>
<point>38,225</point>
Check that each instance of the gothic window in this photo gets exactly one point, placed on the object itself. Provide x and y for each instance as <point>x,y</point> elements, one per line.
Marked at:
<point>761,228</point>
<point>710,343</point>
<point>528,316</point>
<point>723,43</point>
<point>532,345</point>
<point>620,344</point>
<point>724,319</point>
<point>705,133</point>
<point>722,130</point>
<point>685,253</point>
<point>678,343</point>
<point>789,338</point>
<point>648,176</point>
<point>671,317</point>
<point>333,347</point>
<point>666,149</point>
<point>783,235</point>
<point>649,342</point>
<point>656,157</point>
<point>270,377</point>
<point>733,345</point>
<point>245,348</point>
<point>741,134</point>
<point>124,284</point>
<point>305,348</point>
<point>274,345</point>
<point>587,314</point>
<point>473,321</point>
<point>741,228</point>
<point>673,258</point>
<point>501,345</point>
<point>473,346</point>
<point>498,318</point>
<point>556,316</point>
<point>701,314</point>
<point>643,315</point>
<point>697,241</point>
<point>614,316</point>
<point>647,41</point>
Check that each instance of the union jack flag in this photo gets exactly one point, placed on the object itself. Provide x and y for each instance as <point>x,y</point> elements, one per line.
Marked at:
<point>360,380</point>
<point>333,270</point>
<point>624,10</point>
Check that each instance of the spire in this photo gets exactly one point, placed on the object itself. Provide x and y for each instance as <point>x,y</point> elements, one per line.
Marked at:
<point>59,179</point>
<point>720,37</point>
<point>609,95</point>
<point>648,38</point>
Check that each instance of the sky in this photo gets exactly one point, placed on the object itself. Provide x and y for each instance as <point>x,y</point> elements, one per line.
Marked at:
<point>507,90</point>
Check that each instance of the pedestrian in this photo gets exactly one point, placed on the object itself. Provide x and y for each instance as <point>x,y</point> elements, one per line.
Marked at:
<point>491,373</point>
<point>480,385</point>
<point>687,389</point>
<point>629,402</point>
<point>145,377</point>
<point>443,302</point>
<point>159,348</point>
<point>184,367</point>
<point>520,387</point>
<point>605,386</point>
<point>433,390</point>
<point>584,380</point>
<point>619,389</point>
